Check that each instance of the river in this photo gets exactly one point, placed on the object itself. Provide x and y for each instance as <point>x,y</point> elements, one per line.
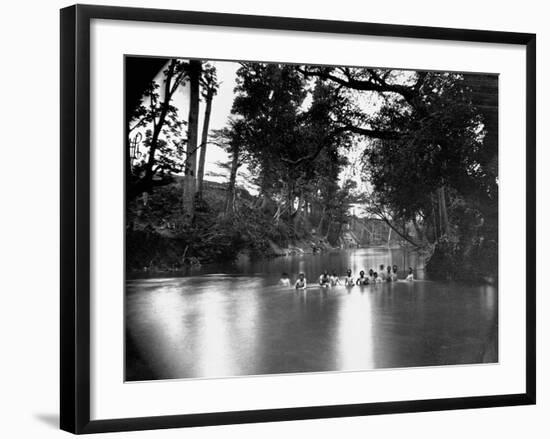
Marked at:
<point>233,319</point>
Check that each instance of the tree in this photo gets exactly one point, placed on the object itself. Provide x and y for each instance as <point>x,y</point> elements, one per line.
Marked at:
<point>323,164</point>
<point>431,153</point>
<point>290,138</point>
<point>230,139</point>
<point>194,69</point>
<point>210,85</point>
<point>158,119</point>
<point>436,151</point>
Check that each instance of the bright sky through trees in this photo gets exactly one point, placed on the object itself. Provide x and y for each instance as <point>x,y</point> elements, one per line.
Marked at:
<point>221,110</point>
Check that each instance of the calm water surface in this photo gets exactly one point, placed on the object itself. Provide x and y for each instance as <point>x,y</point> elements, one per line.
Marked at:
<point>234,320</point>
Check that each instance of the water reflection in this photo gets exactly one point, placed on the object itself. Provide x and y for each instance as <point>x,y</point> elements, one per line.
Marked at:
<point>354,341</point>
<point>242,323</point>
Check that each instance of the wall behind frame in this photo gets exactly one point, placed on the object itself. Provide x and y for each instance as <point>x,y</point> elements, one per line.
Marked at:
<point>29,184</point>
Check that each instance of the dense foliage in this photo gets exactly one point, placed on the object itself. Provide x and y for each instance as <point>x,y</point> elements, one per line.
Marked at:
<point>440,173</point>
<point>429,153</point>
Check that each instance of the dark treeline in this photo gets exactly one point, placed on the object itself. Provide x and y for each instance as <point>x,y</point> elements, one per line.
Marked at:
<point>429,153</point>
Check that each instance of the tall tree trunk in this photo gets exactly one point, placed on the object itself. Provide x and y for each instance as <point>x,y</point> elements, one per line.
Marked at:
<point>204,140</point>
<point>328,228</point>
<point>290,198</point>
<point>298,213</point>
<point>339,233</point>
<point>320,226</point>
<point>230,197</point>
<point>189,182</point>
<point>435,218</point>
<point>421,236</point>
<point>443,217</point>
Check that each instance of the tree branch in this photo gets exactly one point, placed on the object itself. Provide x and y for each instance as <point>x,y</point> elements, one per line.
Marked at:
<point>375,134</point>
<point>142,120</point>
<point>363,85</point>
<point>378,212</point>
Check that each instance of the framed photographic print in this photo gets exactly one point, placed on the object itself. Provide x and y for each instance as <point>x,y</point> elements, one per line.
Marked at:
<point>268,218</point>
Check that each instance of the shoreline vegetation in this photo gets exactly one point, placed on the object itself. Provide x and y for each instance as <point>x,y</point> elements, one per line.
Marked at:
<point>415,154</point>
<point>165,248</point>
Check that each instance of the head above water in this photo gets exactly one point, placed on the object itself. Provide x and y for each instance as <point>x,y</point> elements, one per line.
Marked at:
<point>371,272</point>
<point>301,275</point>
<point>284,275</point>
<point>361,273</point>
<point>381,267</point>
<point>389,269</point>
<point>410,270</point>
<point>348,272</point>
<point>395,268</point>
<point>375,274</point>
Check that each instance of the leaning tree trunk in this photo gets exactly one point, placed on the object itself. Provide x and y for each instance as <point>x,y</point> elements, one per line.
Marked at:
<point>204,140</point>
<point>328,228</point>
<point>157,127</point>
<point>189,182</point>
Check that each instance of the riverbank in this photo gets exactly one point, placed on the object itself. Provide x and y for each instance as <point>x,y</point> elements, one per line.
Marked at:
<point>170,254</point>
<point>157,240</point>
<point>304,246</point>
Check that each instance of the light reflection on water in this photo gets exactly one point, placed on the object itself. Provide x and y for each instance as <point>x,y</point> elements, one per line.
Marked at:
<point>234,320</point>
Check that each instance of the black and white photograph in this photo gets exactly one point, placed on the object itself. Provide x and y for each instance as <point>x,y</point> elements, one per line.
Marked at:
<point>294,218</point>
<point>275,219</point>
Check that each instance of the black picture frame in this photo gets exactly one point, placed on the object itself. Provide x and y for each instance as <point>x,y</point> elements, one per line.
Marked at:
<point>75,217</point>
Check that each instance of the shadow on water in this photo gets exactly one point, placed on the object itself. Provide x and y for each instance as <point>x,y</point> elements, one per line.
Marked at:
<point>234,320</point>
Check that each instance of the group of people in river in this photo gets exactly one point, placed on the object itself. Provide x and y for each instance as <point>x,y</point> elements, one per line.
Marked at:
<point>388,274</point>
